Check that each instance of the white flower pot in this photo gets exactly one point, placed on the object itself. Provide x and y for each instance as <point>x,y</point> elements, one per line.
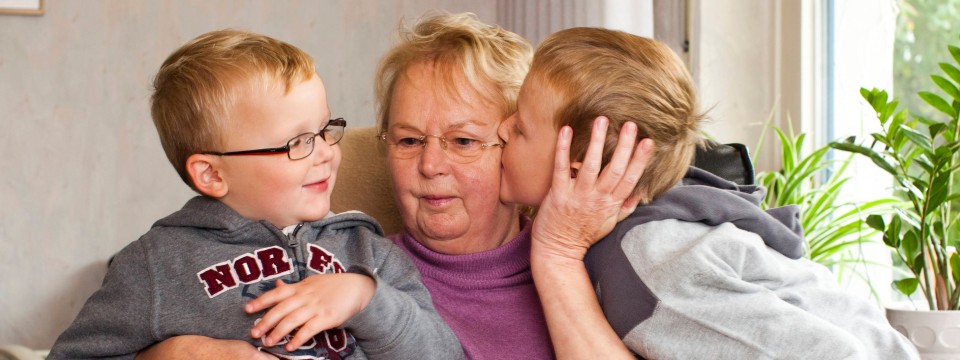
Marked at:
<point>936,334</point>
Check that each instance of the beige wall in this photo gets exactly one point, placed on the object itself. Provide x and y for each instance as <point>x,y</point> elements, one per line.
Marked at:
<point>734,53</point>
<point>82,169</point>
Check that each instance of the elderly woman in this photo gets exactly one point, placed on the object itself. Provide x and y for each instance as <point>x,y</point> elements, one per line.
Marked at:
<point>443,91</point>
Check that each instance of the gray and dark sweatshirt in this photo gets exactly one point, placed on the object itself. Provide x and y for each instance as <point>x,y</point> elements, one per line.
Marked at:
<point>193,272</point>
<point>702,272</point>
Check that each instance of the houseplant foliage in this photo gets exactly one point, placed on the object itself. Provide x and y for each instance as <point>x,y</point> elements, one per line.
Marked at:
<point>834,229</point>
<point>921,155</point>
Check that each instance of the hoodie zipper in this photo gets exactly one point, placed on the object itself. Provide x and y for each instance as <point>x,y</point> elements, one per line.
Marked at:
<point>294,247</point>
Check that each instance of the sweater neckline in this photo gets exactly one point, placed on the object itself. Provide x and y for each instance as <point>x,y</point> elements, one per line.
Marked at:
<point>506,265</point>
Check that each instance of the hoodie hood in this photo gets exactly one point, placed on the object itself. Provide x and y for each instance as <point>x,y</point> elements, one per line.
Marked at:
<point>205,213</point>
<point>214,216</point>
<point>706,198</point>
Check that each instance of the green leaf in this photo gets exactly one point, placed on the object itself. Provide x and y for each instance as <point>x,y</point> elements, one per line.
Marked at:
<point>891,236</point>
<point>910,245</point>
<point>912,186</point>
<point>881,139</point>
<point>951,71</point>
<point>896,138</point>
<point>917,266</point>
<point>925,164</point>
<point>955,52</point>
<point>905,217</point>
<point>938,191</point>
<point>891,108</point>
<point>788,150</point>
<point>877,99</point>
<point>918,138</point>
<point>935,129</point>
<point>873,155</point>
<point>876,222</point>
<point>951,198</point>
<point>938,103</point>
<point>938,227</point>
<point>946,86</point>
<point>943,154</point>
<point>907,286</point>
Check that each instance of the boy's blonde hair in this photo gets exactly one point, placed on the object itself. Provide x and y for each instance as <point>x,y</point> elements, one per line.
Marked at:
<point>625,78</point>
<point>201,82</point>
<point>493,61</point>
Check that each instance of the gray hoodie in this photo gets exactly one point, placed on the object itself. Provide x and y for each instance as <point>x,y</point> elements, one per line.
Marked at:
<point>702,272</point>
<point>195,269</point>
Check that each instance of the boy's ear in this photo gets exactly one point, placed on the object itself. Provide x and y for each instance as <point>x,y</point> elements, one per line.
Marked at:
<point>205,173</point>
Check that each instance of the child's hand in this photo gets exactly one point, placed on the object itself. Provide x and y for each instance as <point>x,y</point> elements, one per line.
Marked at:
<point>318,303</point>
<point>580,210</point>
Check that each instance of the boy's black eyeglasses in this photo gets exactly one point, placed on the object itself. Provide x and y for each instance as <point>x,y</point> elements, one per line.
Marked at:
<point>300,146</point>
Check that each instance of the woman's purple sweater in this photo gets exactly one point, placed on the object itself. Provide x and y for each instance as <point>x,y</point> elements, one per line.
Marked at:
<point>487,298</point>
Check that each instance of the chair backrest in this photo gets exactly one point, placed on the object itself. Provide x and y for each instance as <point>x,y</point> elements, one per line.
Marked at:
<point>729,161</point>
<point>364,184</point>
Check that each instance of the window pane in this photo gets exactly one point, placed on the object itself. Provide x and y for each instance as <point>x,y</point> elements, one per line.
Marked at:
<point>924,29</point>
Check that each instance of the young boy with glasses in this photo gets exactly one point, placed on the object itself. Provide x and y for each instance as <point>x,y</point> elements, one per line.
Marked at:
<point>261,236</point>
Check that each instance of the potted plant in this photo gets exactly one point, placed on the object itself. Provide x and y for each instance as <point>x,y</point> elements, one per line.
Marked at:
<point>921,155</point>
<point>834,229</point>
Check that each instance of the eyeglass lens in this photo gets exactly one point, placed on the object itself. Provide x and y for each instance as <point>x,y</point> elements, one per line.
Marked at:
<point>461,148</point>
<point>302,146</point>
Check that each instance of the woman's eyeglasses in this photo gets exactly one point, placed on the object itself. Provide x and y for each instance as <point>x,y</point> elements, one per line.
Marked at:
<point>461,148</point>
<point>300,146</point>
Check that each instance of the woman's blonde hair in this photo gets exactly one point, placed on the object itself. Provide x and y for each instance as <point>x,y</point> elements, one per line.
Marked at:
<point>202,81</point>
<point>492,60</point>
<point>625,78</point>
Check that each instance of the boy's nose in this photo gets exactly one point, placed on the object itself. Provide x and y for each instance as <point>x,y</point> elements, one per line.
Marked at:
<point>322,152</point>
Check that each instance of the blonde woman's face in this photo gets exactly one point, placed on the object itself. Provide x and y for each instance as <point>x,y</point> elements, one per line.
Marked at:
<point>449,204</point>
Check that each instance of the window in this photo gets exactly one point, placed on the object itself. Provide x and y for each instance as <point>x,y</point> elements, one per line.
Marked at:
<point>893,45</point>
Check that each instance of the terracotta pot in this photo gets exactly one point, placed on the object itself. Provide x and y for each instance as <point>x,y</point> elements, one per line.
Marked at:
<point>936,334</point>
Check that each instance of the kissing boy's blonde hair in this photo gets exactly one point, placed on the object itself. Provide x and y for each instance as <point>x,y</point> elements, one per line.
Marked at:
<point>625,78</point>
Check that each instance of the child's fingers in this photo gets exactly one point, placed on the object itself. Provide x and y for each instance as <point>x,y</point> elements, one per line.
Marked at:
<point>269,298</point>
<point>613,173</point>
<point>636,167</point>
<point>286,326</point>
<point>561,160</point>
<point>306,332</point>
<point>594,156</point>
<point>272,318</point>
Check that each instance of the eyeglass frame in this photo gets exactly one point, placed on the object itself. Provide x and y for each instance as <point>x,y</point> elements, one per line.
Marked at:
<point>443,142</point>
<point>286,148</point>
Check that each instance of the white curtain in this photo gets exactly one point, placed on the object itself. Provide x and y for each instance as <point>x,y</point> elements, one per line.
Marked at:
<point>536,19</point>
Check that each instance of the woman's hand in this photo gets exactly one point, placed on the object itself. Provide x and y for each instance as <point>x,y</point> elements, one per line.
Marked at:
<point>580,210</point>
<point>189,347</point>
